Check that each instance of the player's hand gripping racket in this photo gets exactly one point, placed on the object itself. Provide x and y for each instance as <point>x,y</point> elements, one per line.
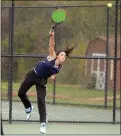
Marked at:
<point>58,16</point>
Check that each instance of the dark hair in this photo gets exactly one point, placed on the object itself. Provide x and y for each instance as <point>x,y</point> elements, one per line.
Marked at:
<point>67,51</point>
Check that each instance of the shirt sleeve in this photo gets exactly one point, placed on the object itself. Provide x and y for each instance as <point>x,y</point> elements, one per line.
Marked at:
<point>50,58</point>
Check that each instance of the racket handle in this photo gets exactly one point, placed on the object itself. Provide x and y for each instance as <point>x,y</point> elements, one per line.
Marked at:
<point>56,26</point>
<point>52,28</point>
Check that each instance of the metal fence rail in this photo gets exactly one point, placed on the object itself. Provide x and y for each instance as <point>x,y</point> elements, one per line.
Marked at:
<point>88,87</point>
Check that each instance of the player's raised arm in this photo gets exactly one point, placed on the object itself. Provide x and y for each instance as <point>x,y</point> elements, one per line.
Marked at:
<point>52,45</point>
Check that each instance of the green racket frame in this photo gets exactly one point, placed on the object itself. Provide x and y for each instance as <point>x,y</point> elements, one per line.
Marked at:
<point>58,16</point>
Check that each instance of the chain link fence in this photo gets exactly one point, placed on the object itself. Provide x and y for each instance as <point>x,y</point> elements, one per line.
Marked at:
<point>88,87</point>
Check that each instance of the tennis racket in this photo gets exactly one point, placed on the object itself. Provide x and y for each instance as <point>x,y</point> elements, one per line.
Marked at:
<point>58,16</point>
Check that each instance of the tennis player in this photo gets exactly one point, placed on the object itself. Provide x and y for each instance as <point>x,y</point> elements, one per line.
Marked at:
<point>38,76</point>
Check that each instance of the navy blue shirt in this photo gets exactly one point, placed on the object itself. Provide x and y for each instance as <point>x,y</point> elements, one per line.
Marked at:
<point>45,69</point>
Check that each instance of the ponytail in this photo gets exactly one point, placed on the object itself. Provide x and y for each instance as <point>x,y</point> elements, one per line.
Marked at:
<point>67,51</point>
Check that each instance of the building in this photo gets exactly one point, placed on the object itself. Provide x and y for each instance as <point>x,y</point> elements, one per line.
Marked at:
<point>95,69</point>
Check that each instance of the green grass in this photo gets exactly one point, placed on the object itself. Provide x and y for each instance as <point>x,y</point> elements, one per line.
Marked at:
<point>69,94</point>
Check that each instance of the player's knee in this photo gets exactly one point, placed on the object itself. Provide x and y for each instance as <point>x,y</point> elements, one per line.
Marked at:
<point>20,94</point>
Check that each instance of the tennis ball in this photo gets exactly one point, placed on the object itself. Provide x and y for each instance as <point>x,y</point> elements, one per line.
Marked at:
<point>109,5</point>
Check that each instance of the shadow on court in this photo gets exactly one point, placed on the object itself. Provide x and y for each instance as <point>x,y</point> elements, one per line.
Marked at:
<point>61,129</point>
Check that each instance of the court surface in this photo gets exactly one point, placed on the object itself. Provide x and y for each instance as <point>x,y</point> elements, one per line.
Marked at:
<point>56,112</point>
<point>32,128</point>
<point>61,113</point>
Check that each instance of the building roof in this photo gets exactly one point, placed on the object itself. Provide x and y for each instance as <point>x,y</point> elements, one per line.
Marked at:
<point>111,44</point>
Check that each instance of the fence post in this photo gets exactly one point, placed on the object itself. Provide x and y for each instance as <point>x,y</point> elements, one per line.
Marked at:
<point>107,54</point>
<point>10,78</point>
<point>115,62</point>
<point>120,60</point>
<point>54,83</point>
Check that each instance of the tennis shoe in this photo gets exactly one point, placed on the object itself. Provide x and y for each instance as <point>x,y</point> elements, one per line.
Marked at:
<point>43,128</point>
<point>28,112</point>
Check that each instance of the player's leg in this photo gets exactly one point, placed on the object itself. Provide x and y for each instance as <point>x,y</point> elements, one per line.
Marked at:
<point>25,86</point>
<point>41,94</point>
<point>22,92</point>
